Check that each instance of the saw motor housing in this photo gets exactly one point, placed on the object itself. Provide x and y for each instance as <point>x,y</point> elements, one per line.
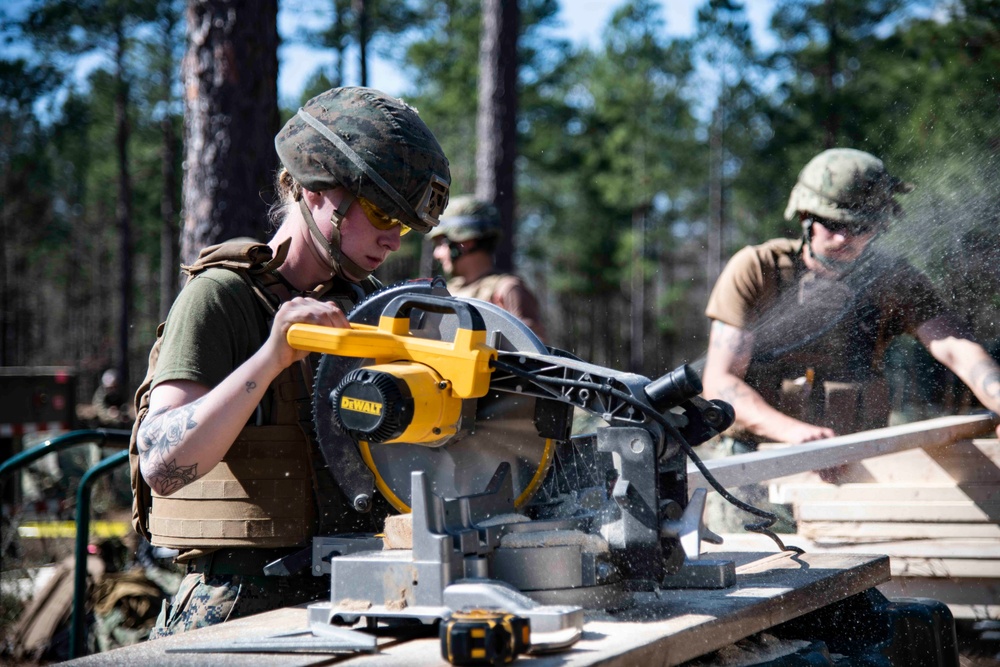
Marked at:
<point>396,402</point>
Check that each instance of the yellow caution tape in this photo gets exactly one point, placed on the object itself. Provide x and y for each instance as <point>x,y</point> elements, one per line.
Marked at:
<point>68,529</point>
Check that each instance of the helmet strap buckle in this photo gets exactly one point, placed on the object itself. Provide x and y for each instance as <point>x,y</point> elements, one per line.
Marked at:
<point>336,261</point>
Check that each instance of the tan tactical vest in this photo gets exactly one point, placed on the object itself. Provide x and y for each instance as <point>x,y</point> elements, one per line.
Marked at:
<point>264,491</point>
<point>486,287</point>
<point>833,378</point>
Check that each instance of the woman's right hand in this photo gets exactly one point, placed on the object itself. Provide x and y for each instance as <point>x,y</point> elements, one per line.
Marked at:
<point>301,310</point>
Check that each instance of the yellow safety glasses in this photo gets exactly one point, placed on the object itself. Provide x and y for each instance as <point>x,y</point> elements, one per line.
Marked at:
<point>379,219</point>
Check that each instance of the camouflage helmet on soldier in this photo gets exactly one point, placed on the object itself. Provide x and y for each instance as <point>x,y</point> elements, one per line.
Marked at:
<point>469,219</point>
<point>375,146</point>
<point>848,186</point>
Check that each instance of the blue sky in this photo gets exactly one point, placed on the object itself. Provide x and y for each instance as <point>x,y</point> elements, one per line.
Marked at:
<point>582,23</point>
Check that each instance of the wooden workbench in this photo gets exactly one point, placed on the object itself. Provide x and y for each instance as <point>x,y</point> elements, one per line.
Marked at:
<point>664,628</point>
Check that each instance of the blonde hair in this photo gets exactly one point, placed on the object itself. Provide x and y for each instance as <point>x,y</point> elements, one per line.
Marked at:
<point>288,191</point>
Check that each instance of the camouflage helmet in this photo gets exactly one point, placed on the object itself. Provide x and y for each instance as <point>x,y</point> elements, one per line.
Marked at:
<point>846,185</point>
<point>468,219</point>
<point>374,145</point>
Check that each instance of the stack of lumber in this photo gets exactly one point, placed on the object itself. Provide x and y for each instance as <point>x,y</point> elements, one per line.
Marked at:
<point>934,511</point>
<point>932,505</point>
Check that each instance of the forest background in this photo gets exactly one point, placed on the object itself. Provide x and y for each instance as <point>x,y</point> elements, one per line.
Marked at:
<point>643,161</point>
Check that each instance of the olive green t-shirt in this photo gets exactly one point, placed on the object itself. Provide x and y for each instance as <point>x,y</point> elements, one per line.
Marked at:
<point>216,323</point>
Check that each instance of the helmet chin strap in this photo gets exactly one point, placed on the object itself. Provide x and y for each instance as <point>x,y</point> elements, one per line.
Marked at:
<point>337,262</point>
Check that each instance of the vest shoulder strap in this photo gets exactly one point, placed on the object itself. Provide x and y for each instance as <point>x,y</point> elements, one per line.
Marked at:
<point>249,256</point>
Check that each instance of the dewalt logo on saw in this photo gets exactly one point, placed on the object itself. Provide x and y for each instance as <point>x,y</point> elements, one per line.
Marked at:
<point>359,405</point>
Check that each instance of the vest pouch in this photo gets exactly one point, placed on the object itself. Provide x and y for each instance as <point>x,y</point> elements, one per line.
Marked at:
<point>259,495</point>
<point>841,406</point>
<point>849,407</point>
<point>794,399</point>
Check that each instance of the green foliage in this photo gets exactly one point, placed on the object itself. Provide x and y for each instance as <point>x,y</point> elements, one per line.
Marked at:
<point>640,127</point>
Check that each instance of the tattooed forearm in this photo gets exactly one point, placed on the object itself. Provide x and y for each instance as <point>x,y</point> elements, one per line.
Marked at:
<point>725,336</point>
<point>161,433</point>
<point>169,477</point>
<point>164,429</point>
<point>985,377</point>
<point>734,392</point>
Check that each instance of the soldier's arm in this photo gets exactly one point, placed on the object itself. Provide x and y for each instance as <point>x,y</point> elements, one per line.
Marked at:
<point>190,427</point>
<point>966,358</point>
<point>726,365</point>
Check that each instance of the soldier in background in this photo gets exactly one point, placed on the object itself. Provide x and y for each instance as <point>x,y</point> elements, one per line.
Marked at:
<point>464,244</point>
<point>799,326</point>
<point>111,406</point>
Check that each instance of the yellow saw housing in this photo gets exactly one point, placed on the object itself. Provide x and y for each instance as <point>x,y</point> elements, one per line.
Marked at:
<point>397,402</point>
<point>413,390</point>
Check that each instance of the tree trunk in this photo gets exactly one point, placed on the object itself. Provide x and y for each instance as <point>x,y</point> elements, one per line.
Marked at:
<point>496,120</point>
<point>123,210</point>
<point>361,14</point>
<point>637,310</point>
<point>169,205</point>
<point>170,232</point>
<point>716,211</point>
<point>231,116</point>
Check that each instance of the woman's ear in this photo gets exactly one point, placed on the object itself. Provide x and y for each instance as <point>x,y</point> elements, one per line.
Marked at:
<point>312,198</point>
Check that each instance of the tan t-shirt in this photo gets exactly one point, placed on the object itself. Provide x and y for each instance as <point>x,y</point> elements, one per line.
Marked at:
<point>759,278</point>
<point>507,291</point>
<point>805,325</point>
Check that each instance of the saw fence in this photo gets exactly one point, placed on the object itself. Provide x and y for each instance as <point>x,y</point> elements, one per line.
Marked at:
<point>927,494</point>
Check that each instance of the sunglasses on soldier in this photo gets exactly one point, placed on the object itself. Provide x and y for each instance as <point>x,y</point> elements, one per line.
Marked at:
<point>846,228</point>
<point>380,220</point>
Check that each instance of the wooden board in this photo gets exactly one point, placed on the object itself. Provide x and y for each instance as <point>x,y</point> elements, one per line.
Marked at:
<point>860,531</point>
<point>769,464</point>
<point>937,511</point>
<point>987,495</point>
<point>963,574</point>
<point>664,628</point>
<point>956,559</point>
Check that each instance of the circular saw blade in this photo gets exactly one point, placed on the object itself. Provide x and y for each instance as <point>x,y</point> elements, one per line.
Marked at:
<point>502,431</point>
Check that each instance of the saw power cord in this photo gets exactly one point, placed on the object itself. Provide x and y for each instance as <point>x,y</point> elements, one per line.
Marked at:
<point>762,527</point>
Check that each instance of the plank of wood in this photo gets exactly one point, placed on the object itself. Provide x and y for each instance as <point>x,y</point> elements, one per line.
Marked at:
<point>983,494</point>
<point>908,558</point>
<point>665,628</point>
<point>949,568</point>
<point>963,549</point>
<point>963,462</point>
<point>764,465</point>
<point>859,531</point>
<point>925,512</point>
<point>398,531</point>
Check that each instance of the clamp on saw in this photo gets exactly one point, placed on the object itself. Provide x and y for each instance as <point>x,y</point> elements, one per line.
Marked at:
<point>453,411</point>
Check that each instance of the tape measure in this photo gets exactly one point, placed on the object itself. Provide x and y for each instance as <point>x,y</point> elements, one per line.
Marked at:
<point>484,637</point>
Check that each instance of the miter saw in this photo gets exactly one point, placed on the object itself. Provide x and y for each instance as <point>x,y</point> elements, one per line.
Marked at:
<point>453,411</point>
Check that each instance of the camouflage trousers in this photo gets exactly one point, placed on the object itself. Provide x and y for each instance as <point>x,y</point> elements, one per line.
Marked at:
<point>207,599</point>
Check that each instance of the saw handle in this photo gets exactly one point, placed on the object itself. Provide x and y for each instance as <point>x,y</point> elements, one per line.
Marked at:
<point>468,317</point>
<point>464,362</point>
